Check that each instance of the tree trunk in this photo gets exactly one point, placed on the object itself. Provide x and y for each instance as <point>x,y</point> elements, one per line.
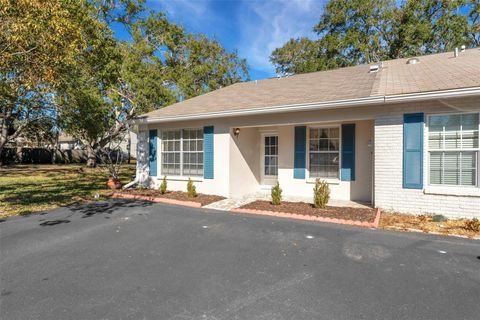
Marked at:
<point>1,151</point>
<point>3,139</point>
<point>91,157</point>
<point>55,148</point>
<point>129,147</point>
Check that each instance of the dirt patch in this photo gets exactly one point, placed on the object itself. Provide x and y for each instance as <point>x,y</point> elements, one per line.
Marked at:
<point>425,223</point>
<point>303,208</point>
<point>203,199</point>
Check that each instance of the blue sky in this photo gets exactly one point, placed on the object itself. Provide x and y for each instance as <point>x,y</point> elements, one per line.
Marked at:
<point>252,27</point>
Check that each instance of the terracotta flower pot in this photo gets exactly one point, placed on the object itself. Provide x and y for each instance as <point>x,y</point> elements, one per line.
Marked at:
<point>114,183</point>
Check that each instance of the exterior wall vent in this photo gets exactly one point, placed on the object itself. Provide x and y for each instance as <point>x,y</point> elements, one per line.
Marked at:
<point>374,68</point>
<point>413,61</point>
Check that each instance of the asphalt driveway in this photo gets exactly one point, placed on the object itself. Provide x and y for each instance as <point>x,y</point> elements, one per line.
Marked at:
<point>136,260</point>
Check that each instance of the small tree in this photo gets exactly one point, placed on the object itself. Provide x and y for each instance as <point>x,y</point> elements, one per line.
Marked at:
<point>321,194</point>
<point>111,157</point>
<point>276,194</point>
<point>191,189</point>
<point>163,186</point>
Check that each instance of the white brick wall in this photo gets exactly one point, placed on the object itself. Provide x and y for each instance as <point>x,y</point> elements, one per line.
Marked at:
<point>389,193</point>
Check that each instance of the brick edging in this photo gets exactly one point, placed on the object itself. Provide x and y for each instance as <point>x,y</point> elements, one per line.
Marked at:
<point>373,224</point>
<point>191,204</point>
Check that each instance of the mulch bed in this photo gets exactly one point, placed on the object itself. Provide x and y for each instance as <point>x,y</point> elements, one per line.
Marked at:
<point>203,199</point>
<point>307,209</point>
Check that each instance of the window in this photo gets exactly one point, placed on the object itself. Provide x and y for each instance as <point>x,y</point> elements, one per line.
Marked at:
<point>271,156</point>
<point>453,149</point>
<point>182,152</point>
<point>324,146</point>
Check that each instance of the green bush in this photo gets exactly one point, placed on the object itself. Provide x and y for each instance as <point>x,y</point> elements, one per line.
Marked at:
<point>276,194</point>
<point>321,194</point>
<point>191,189</point>
<point>473,225</point>
<point>163,186</point>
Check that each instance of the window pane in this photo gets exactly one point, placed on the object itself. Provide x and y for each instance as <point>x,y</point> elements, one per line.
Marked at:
<point>470,139</point>
<point>334,133</point>
<point>469,172</point>
<point>452,122</point>
<point>436,168</point>
<point>470,121</point>
<point>323,145</point>
<point>323,133</point>
<point>452,140</point>
<point>435,140</point>
<point>334,145</point>
<point>451,168</point>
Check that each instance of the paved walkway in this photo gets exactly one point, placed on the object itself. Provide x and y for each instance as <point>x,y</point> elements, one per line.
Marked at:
<point>230,203</point>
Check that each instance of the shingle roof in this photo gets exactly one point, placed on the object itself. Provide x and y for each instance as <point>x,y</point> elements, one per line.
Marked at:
<point>434,72</point>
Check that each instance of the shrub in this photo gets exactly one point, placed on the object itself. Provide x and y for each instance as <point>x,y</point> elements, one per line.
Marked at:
<point>321,194</point>
<point>163,186</point>
<point>439,218</point>
<point>276,194</point>
<point>191,189</point>
<point>473,225</point>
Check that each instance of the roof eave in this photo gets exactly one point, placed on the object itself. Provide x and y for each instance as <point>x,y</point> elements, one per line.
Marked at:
<point>335,104</point>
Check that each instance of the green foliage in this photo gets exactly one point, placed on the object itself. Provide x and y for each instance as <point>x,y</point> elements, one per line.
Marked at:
<point>362,31</point>
<point>63,55</point>
<point>321,194</point>
<point>163,186</point>
<point>191,189</point>
<point>276,194</point>
<point>472,225</point>
<point>439,218</point>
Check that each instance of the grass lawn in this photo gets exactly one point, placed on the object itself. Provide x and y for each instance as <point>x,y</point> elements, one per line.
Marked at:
<point>27,189</point>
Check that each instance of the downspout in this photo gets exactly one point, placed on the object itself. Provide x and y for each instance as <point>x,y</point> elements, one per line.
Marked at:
<point>131,183</point>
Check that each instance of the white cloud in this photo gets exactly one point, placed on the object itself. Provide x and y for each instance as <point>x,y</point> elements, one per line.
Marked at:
<point>266,25</point>
<point>254,27</point>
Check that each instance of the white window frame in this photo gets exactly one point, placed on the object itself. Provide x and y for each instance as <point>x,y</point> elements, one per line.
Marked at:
<point>268,179</point>
<point>428,151</point>
<point>180,176</point>
<point>324,126</point>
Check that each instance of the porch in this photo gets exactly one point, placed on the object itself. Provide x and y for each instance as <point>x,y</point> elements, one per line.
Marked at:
<point>261,156</point>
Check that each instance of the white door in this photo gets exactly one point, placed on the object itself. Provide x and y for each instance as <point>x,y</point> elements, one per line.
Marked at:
<point>269,168</point>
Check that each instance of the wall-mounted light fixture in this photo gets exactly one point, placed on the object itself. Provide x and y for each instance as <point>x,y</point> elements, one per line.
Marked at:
<point>236,132</point>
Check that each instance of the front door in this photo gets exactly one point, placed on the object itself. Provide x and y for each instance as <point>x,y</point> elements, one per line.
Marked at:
<point>269,159</point>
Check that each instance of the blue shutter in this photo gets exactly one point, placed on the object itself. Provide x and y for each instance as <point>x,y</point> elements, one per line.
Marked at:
<point>300,152</point>
<point>347,172</point>
<point>208,152</point>
<point>153,152</point>
<point>413,151</point>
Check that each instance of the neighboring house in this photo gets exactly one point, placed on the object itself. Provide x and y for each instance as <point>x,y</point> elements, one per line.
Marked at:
<point>67,142</point>
<point>402,135</point>
<point>128,145</point>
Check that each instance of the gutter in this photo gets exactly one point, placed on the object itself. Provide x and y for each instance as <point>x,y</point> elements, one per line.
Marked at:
<point>334,104</point>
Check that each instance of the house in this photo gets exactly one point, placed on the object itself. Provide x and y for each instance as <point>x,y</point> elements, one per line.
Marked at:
<point>402,135</point>
<point>68,142</point>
